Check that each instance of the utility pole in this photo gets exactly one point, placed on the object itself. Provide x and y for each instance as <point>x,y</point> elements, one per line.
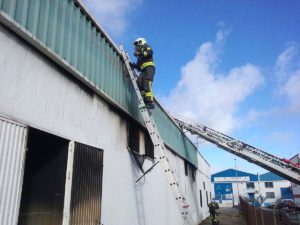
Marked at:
<point>237,183</point>
<point>258,179</point>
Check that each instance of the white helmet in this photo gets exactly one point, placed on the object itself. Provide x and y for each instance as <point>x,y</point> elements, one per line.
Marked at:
<point>140,41</point>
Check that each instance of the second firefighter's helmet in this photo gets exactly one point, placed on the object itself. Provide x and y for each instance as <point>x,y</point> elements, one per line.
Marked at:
<point>140,41</point>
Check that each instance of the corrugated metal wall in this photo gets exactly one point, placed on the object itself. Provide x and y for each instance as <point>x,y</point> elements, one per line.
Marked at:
<point>12,153</point>
<point>86,185</point>
<point>65,28</point>
<point>174,137</point>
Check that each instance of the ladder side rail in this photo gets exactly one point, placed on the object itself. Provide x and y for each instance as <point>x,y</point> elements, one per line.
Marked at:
<point>226,137</point>
<point>242,145</point>
<point>248,153</point>
<point>288,174</point>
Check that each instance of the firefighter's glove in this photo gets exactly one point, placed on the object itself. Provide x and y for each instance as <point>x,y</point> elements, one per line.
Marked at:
<point>137,53</point>
<point>132,65</point>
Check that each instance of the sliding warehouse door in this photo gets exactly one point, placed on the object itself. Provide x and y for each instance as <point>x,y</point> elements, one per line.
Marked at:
<point>83,190</point>
<point>13,138</point>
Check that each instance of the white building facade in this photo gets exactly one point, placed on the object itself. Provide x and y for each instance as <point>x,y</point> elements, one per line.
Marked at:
<point>65,140</point>
<point>231,183</point>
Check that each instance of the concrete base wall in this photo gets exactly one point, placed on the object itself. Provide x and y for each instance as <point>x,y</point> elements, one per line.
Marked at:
<point>38,93</point>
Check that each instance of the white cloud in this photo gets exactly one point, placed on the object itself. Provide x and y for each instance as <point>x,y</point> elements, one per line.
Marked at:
<point>284,63</point>
<point>208,97</point>
<point>287,71</point>
<point>113,14</point>
<point>292,90</point>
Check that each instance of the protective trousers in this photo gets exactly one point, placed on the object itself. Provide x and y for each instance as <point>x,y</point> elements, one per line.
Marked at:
<point>144,82</point>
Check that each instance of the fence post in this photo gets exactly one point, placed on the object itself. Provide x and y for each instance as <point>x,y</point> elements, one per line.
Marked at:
<point>255,216</point>
<point>274,216</point>
<point>262,217</point>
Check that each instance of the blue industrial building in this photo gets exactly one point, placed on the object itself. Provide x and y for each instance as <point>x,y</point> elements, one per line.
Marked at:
<point>231,183</point>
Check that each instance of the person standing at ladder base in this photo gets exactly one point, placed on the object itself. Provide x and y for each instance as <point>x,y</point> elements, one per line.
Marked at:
<point>145,64</point>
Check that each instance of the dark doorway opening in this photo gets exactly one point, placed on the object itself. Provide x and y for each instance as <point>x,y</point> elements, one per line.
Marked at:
<point>42,199</point>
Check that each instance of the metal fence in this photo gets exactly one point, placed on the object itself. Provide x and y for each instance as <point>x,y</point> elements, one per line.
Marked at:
<point>265,216</point>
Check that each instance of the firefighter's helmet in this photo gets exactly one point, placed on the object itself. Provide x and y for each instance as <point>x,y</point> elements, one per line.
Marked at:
<point>140,41</point>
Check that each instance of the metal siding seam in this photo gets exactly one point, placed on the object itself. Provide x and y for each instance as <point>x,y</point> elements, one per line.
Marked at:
<point>119,81</point>
<point>71,33</point>
<point>92,54</point>
<point>60,28</point>
<point>114,81</point>
<point>43,21</point>
<point>67,33</point>
<point>123,97</point>
<point>110,77</point>
<point>51,39</point>
<point>81,43</point>
<point>105,81</point>
<point>101,63</point>
<point>95,61</point>
<point>92,58</point>
<point>9,6</point>
<point>98,67</point>
<point>84,48</point>
<point>76,22</point>
<point>96,58</point>
<point>89,49</point>
<point>106,68</point>
<point>22,12</point>
<point>34,7</point>
<point>84,42</point>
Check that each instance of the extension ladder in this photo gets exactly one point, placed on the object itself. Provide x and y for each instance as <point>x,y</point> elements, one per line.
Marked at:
<point>159,146</point>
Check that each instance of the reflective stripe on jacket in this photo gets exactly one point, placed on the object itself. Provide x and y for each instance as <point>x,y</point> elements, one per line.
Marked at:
<point>145,57</point>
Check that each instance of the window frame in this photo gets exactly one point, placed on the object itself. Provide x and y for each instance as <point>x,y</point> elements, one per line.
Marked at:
<point>186,168</point>
<point>272,193</point>
<point>269,184</point>
<point>201,200</point>
<point>133,137</point>
<point>250,185</point>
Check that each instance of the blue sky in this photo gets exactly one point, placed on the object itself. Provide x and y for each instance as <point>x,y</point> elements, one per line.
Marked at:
<point>230,64</point>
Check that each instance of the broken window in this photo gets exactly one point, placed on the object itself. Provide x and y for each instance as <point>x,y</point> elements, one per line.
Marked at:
<point>133,137</point>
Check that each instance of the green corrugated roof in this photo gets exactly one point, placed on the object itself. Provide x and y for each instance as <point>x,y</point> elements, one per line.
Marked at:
<point>67,29</point>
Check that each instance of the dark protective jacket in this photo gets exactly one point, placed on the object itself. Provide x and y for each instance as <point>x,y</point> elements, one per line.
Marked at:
<point>145,58</point>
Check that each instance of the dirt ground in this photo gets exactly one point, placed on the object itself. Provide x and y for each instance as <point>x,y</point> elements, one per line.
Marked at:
<point>228,216</point>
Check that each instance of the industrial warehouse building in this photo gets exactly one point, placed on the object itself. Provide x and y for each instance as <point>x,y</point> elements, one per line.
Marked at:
<point>72,140</point>
<point>229,184</point>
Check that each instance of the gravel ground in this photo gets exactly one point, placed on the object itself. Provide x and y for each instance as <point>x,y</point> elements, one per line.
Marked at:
<point>228,216</point>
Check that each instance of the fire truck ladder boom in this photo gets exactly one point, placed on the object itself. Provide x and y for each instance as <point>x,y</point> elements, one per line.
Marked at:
<point>241,149</point>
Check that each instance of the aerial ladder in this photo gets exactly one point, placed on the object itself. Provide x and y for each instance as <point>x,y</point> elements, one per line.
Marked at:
<point>159,147</point>
<point>254,155</point>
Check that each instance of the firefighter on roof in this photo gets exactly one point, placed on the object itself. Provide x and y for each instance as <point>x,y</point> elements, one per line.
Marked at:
<point>145,64</point>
